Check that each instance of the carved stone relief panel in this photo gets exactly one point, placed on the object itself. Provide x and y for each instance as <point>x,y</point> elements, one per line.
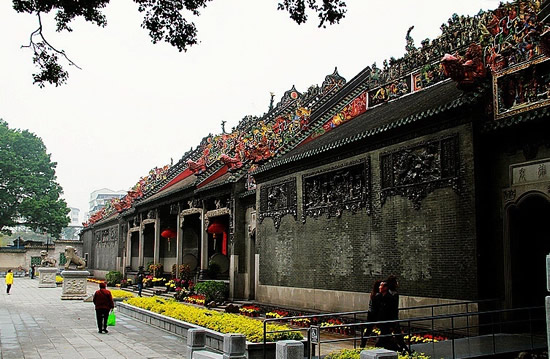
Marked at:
<point>278,200</point>
<point>331,192</point>
<point>152,214</point>
<point>114,233</point>
<point>108,235</point>
<point>105,235</point>
<point>416,171</point>
<point>74,286</point>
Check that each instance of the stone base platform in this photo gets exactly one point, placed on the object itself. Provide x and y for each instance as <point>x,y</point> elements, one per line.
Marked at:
<point>47,277</point>
<point>74,284</point>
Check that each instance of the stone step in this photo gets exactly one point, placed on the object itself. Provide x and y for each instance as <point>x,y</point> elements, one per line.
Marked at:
<point>149,292</point>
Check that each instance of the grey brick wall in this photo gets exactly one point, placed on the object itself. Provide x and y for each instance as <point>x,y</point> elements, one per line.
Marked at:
<point>432,250</point>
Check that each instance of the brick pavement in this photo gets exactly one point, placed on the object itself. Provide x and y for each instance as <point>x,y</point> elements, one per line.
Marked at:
<point>36,323</point>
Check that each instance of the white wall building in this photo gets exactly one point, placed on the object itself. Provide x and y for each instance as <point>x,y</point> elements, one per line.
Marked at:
<point>74,215</point>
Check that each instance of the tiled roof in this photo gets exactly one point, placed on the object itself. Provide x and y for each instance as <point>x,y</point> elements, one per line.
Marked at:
<point>405,110</point>
<point>220,181</point>
<point>181,185</point>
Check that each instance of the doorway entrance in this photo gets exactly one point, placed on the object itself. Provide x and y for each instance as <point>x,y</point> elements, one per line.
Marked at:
<point>529,244</point>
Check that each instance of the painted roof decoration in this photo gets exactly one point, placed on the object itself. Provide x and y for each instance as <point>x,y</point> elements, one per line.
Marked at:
<point>116,205</point>
<point>468,49</point>
<point>256,140</point>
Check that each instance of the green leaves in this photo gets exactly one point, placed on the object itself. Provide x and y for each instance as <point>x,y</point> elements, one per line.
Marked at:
<point>29,193</point>
<point>328,11</point>
<point>166,21</point>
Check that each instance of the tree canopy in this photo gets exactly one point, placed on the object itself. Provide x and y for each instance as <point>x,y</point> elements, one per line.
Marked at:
<point>29,193</point>
<point>166,20</point>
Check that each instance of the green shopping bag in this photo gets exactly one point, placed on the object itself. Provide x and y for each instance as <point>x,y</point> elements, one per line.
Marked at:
<point>111,319</point>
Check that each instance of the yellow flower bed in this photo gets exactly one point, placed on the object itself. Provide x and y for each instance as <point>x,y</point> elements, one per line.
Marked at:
<point>355,354</point>
<point>94,280</point>
<point>220,322</point>
<point>58,279</point>
<point>118,293</point>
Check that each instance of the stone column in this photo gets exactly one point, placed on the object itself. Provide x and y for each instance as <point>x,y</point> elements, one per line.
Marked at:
<point>233,273</point>
<point>129,247</point>
<point>128,258</point>
<point>234,346</point>
<point>141,243</point>
<point>547,299</point>
<point>289,349</point>
<point>156,248</point>
<point>196,340</point>
<point>204,242</point>
<point>179,239</point>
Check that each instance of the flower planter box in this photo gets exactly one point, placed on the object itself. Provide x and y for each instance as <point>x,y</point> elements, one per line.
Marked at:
<point>214,340</point>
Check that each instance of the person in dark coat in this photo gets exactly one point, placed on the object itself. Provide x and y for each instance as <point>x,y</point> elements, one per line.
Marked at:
<point>32,271</point>
<point>383,306</point>
<point>372,315</point>
<point>393,284</point>
<point>139,280</point>
<point>104,303</point>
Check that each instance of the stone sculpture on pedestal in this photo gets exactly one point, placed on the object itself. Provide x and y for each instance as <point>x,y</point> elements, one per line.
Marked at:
<point>47,271</point>
<point>74,281</point>
<point>46,260</point>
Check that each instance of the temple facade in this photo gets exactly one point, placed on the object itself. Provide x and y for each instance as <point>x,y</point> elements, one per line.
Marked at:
<point>432,168</point>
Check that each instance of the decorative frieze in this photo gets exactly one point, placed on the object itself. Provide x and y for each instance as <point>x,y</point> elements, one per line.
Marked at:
<point>113,233</point>
<point>332,191</point>
<point>522,87</point>
<point>416,171</point>
<point>189,211</point>
<point>278,200</point>
<point>219,211</point>
<point>109,234</point>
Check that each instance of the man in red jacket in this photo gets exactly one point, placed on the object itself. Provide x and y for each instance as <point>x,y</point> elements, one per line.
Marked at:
<point>103,301</point>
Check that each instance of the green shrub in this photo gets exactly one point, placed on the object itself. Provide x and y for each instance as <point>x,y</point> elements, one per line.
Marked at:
<point>113,277</point>
<point>212,290</point>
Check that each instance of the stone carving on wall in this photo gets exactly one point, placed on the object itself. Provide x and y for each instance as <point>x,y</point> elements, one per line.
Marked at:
<point>174,208</point>
<point>278,200</point>
<point>113,233</point>
<point>331,192</point>
<point>509,195</point>
<point>193,203</point>
<point>416,171</point>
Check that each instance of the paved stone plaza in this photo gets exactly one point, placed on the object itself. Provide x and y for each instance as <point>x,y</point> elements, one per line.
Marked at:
<point>36,323</point>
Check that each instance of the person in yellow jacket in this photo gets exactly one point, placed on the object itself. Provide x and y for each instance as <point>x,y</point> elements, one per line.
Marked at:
<point>9,281</point>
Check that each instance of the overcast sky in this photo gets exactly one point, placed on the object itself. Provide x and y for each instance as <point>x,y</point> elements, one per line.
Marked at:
<point>135,105</point>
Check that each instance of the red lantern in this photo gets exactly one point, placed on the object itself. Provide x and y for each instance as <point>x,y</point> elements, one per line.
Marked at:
<point>218,227</point>
<point>168,233</point>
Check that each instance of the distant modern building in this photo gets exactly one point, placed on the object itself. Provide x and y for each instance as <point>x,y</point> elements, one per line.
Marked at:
<point>75,217</point>
<point>100,197</point>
